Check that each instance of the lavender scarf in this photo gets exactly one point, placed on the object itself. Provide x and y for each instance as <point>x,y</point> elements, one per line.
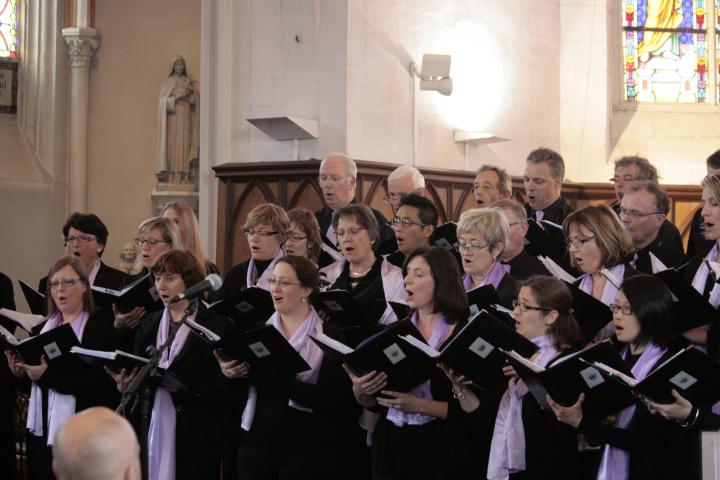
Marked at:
<point>307,349</point>
<point>608,296</point>
<point>161,435</point>
<point>615,464</point>
<point>264,280</point>
<point>701,275</point>
<point>400,418</point>
<point>507,452</point>
<point>60,406</point>
<point>494,278</point>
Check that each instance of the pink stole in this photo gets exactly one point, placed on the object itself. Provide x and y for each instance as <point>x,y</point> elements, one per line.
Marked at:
<point>400,418</point>
<point>307,349</point>
<point>615,464</point>
<point>264,280</point>
<point>161,435</point>
<point>497,273</point>
<point>60,406</point>
<point>507,451</point>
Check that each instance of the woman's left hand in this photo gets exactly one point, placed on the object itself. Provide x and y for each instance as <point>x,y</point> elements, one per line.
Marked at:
<point>401,401</point>
<point>679,410</point>
<point>571,415</point>
<point>34,372</point>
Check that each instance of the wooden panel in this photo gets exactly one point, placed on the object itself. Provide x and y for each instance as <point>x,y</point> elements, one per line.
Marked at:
<point>245,185</point>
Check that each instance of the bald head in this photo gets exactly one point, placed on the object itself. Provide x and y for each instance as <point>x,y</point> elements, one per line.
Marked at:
<point>97,444</point>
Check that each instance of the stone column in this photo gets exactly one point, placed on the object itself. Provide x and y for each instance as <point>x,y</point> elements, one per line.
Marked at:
<point>82,42</point>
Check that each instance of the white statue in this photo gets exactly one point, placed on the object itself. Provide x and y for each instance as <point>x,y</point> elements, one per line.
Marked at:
<point>177,145</point>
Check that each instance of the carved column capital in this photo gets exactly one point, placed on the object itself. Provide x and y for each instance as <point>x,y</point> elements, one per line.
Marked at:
<point>82,42</point>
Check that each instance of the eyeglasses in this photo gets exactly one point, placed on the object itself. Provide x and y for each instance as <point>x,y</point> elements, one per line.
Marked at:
<point>140,241</point>
<point>249,232</point>
<point>405,222</point>
<point>524,307</point>
<point>625,309</point>
<point>636,213</point>
<point>578,242</point>
<point>80,239</point>
<point>352,231</point>
<point>626,178</point>
<point>68,282</point>
<point>394,197</point>
<point>296,238</point>
<point>512,224</point>
<point>281,282</point>
<point>471,247</point>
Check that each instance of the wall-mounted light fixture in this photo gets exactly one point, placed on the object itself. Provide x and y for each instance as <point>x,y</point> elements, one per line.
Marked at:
<point>434,73</point>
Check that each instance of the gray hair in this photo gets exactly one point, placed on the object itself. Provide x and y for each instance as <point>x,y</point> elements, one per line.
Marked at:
<point>514,206</point>
<point>417,179</point>
<point>552,158</point>
<point>350,166</point>
<point>491,223</point>
<point>504,180</point>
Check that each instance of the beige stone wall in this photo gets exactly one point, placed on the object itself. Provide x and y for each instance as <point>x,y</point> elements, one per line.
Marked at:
<point>138,41</point>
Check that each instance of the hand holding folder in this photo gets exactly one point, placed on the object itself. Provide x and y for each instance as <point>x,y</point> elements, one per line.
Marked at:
<point>54,344</point>
<point>140,293</point>
<point>265,349</point>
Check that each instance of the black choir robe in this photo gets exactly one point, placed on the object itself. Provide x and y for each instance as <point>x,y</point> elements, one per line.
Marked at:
<point>7,393</point>
<point>658,448</point>
<point>672,258</point>
<point>90,385</point>
<point>525,265</point>
<point>199,421</point>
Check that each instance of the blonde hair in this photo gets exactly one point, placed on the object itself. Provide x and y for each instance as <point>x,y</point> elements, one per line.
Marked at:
<point>610,236</point>
<point>168,230</point>
<point>190,233</point>
<point>490,222</point>
<point>269,214</point>
<point>712,182</point>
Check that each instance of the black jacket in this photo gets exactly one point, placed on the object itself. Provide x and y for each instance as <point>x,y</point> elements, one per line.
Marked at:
<point>658,448</point>
<point>671,257</point>
<point>524,265</point>
<point>199,410</point>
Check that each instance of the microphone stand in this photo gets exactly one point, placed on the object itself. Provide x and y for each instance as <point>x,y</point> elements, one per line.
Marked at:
<point>140,389</point>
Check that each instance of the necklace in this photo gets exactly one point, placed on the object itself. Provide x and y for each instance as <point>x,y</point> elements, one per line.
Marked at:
<point>360,274</point>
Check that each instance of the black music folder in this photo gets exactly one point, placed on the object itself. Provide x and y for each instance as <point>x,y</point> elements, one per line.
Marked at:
<point>690,372</point>
<point>475,351</point>
<point>140,293</point>
<point>545,238</point>
<point>55,344</point>
<point>266,350</point>
<point>401,310</point>
<point>249,308</point>
<point>344,311</point>
<point>572,375</point>
<point>406,366</point>
<point>591,314</point>
<point>692,310</point>
<point>480,298</point>
<point>34,299</point>
<point>116,360</point>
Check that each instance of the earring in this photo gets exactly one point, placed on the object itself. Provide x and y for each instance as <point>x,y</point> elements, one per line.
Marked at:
<point>304,299</point>
<point>494,258</point>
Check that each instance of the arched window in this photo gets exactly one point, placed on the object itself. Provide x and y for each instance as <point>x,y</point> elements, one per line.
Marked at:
<point>669,50</point>
<point>8,29</point>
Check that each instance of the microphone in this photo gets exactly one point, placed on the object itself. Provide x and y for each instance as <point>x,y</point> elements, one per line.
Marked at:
<point>212,282</point>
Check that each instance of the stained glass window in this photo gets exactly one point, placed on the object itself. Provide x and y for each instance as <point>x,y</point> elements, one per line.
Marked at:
<point>8,29</point>
<point>665,50</point>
